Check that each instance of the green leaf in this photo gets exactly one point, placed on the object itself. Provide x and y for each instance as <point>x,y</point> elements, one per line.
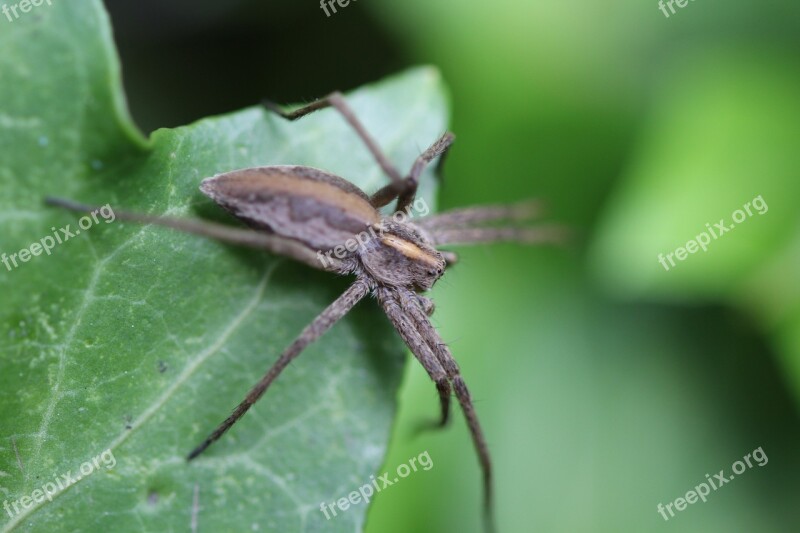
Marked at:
<point>140,340</point>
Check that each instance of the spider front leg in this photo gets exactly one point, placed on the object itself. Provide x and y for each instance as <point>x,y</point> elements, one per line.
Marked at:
<point>419,348</point>
<point>405,191</point>
<point>332,314</point>
<point>402,188</point>
<point>470,216</point>
<point>337,101</point>
<point>465,226</point>
<point>410,305</point>
<point>404,310</point>
<point>549,234</point>
<point>450,258</point>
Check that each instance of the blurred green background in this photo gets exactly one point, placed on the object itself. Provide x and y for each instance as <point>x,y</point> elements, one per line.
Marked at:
<point>606,384</point>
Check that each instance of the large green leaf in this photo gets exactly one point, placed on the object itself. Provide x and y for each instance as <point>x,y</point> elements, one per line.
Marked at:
<point>139,340</point>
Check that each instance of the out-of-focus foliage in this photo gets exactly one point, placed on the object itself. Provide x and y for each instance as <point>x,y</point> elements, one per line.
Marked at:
<point>608,384</point>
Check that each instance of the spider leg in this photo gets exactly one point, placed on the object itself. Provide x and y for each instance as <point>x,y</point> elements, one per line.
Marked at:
<point>469,216</point>
<point>337,101</point>
<point>419,348</point>
<point>221,232</point>
<point>524,235</point>
<point>425,330</point>
<point>332,314</point>
<point>451,258</point>
<point>404,310</point>
<point>406,190</point>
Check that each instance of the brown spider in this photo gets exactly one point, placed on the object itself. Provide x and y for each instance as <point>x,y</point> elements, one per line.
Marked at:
<point>307,214</point>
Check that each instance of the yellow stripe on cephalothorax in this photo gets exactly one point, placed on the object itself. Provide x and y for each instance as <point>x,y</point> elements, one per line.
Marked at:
<point>410,250</point>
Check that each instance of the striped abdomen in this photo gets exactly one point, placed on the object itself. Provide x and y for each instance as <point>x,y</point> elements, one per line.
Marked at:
<point>305,204</point>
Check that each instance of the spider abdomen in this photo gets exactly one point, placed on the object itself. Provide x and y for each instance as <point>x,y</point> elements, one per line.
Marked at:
<point>305,204</point>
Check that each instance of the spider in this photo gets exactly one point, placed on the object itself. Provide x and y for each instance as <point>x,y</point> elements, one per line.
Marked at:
<point>306,213</point>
